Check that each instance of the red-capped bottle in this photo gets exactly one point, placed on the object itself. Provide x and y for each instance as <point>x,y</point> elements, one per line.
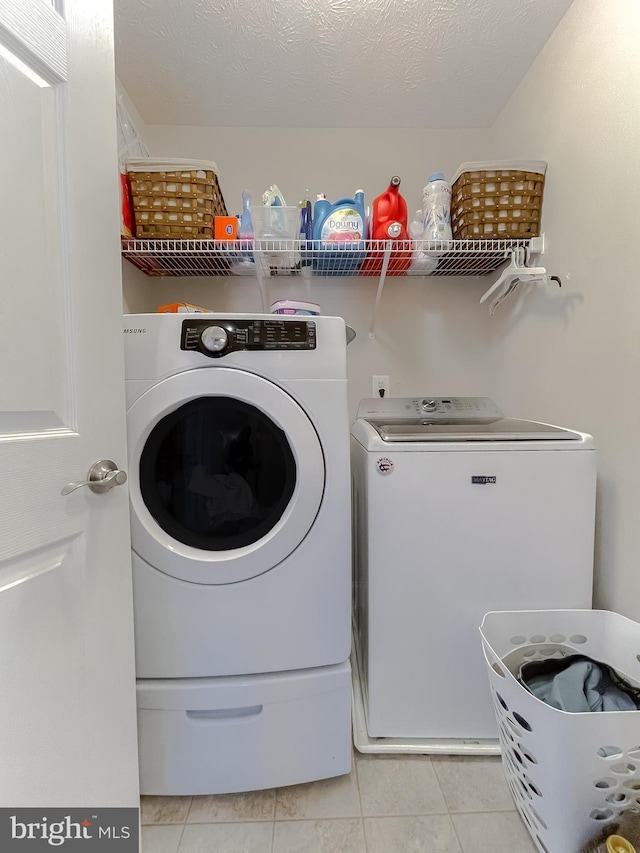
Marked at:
<point>389,222</point>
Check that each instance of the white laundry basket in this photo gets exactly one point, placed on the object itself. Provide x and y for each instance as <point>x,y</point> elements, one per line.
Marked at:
<point>571,775</point>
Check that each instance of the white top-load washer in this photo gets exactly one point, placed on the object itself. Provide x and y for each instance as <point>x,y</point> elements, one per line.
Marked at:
<point>240,519</point>
<point>457,511</point>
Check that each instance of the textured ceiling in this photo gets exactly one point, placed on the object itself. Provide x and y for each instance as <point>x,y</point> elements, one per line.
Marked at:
<point>328,63</point>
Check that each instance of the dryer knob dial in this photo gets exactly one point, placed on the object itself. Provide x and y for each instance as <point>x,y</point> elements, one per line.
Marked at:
<point>214,338</point>
<point>429,405</point>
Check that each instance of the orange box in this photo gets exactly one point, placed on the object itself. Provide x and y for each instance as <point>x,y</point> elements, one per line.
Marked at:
<point>182,308</point>
<point>225,228</point>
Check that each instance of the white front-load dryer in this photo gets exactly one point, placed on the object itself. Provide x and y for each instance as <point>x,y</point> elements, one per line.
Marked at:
<point>240,517</point>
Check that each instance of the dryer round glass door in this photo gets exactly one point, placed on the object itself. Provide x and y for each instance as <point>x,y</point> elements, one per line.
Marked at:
<point>226,475</point>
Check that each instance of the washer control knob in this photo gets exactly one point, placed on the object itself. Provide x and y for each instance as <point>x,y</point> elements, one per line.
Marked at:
<point>214,338</point>
<point>429,405</point>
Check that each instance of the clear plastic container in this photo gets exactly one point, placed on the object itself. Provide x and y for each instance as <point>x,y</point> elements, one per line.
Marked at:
<point>275,222</point>
<point>277,232</point>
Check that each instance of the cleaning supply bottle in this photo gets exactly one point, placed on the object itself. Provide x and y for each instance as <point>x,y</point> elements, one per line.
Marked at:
<point>244,263</point>
<point>245,229</point>
<point>341,229</point>
<point>436,208</point>
<point>389,222</point>
<point>306,231</point>
<point>422,263</point>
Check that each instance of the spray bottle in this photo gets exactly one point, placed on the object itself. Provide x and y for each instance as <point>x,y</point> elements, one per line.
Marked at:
<point>245,262</point>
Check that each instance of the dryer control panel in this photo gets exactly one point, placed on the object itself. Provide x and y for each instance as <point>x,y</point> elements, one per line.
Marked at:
<point>216,337</point>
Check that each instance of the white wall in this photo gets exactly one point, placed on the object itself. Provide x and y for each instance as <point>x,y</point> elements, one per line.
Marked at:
<point>572,356</point>
<point>429,332</point>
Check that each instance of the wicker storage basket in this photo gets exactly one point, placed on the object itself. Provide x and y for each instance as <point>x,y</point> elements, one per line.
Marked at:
<point>175,199</point>
<point>497,201</point>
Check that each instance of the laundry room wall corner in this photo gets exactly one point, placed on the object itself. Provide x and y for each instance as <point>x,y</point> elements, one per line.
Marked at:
<point>572,355</point>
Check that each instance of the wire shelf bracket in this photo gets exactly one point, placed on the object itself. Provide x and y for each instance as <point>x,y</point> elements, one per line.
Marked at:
<point>521,270</point>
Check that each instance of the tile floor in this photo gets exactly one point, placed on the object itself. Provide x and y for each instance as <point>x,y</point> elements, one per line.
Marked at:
<point>388,804</point>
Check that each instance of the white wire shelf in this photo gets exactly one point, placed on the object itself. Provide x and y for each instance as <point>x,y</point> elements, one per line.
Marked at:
<point>265,258</point>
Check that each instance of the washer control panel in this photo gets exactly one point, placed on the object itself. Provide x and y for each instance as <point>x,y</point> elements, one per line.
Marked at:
<point>216,338</point>
<point>462,409</point>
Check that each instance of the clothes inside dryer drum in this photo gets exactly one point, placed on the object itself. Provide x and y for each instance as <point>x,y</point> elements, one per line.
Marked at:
<point>217,473</point>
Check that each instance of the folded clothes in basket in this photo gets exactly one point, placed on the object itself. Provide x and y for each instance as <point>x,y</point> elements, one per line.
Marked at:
<point>577,684</point>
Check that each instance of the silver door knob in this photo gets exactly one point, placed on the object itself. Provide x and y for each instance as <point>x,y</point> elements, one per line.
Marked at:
<point>102,477</point>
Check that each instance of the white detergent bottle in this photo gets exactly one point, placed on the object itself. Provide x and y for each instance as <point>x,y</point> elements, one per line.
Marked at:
<point>436,208</point>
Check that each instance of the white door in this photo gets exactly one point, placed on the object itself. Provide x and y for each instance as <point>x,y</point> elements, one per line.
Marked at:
<point>67,696</point>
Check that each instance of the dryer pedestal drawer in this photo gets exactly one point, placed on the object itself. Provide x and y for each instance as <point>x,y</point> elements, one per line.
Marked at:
<point>243,733</point>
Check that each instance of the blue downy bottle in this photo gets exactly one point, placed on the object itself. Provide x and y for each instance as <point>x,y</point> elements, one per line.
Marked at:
<point>339,232</point>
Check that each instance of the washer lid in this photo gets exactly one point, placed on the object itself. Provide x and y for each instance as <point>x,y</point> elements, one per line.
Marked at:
<point>499,429</point>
